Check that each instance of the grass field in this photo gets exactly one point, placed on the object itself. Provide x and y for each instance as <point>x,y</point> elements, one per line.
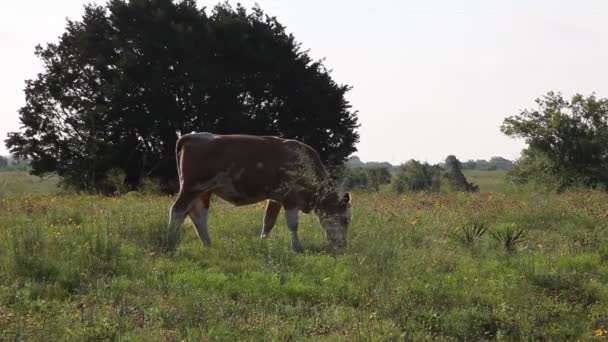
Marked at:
<point>20,182</point>
<point>489,181</point>
<point>90,268</point>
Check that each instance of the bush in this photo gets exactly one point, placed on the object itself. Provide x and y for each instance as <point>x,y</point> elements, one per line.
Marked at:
<point>364,178</point>
<point>151,186</point>
<point>415,176</point>
<point>115,182</point>
<point>455,179</point>
<point>567,142</point>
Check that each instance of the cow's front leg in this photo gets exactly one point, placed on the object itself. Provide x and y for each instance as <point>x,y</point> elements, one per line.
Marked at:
<point>270,217</point>
<point>198,214</point>
<point>291,216</point>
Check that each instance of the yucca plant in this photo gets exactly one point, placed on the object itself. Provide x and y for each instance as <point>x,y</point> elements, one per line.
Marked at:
<point>471,232</point>
<point>509,237</point>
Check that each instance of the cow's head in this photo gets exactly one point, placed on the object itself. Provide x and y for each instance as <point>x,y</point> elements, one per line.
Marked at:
<point>334,216</point>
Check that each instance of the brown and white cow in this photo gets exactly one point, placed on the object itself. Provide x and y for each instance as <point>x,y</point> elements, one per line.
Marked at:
<point>246,169</point>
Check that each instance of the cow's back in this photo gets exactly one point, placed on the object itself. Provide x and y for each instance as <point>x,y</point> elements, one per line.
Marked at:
<point>253,167</point>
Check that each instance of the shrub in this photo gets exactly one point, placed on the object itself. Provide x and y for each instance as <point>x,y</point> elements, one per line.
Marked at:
<point>415,176</point>
<point>509,237</point>
<point>470,233</point>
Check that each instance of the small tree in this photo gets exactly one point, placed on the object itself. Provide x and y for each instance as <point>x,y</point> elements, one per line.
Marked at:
<point>535,167</point>
<point>454,177</point>
<point>378,176</point>
<point>354,179</point>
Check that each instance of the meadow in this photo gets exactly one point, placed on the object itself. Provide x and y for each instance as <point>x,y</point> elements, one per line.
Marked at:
<point>417,267</point>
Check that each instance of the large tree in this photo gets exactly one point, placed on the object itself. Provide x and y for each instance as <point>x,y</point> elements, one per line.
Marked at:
<point>567,141</point>
<point>126,80</point>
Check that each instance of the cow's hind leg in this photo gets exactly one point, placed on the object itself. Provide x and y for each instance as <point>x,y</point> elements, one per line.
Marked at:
<point>177,215</point>
<point>270,217</point>
<point>291,216</point>
<point>198,214</point>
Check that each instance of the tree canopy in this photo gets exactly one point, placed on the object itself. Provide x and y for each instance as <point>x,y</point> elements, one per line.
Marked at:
<point>567,141</point>
<point>127,79</point>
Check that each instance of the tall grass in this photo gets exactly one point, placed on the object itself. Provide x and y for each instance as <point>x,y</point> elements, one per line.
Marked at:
<point>93,268</point>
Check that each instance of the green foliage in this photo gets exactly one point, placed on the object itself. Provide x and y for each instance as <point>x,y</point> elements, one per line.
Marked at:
<point>414,176</point>
<point>115,182</point>
<point>353,179</point>
<point>567,141</point>
<point>470,233</point>
<point>455,179</point>
<point>378,177</point>
<point>469,165</point>
<point>128,78</point>
<point>534,168</point>
<point>364,178</point>
<point>151,186</point>
<point>495,163</point>
<point>509,237</point>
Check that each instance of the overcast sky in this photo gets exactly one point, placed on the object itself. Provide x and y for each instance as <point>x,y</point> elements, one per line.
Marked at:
<point>430,78</point>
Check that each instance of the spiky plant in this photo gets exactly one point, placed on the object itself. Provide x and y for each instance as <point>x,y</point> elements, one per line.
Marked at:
<point>509,237</point>
<point>471,232</point>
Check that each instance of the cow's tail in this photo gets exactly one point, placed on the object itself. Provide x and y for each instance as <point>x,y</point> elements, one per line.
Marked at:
<point>178,156</point>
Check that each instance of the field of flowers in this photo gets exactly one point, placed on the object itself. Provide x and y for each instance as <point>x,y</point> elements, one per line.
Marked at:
<point>417,267</point>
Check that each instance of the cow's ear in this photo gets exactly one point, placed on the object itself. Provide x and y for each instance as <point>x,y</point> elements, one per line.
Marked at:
<point>347,199</point>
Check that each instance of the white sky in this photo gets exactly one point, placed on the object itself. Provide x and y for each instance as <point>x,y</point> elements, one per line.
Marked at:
<point>430,78</point>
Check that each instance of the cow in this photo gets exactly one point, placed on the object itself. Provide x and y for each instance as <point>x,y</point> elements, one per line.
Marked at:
<point>247,169</point>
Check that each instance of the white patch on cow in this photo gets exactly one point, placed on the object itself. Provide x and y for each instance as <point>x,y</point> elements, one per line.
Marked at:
<point>259,165</point>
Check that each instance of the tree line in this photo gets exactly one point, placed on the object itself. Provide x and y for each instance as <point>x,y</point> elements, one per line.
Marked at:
<point>412,176</point>
<point>10,164</point>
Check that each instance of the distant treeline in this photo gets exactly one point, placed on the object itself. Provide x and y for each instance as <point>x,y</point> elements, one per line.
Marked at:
<point>495,163</point>
<point>412,176</point>
<point>10,164</point>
